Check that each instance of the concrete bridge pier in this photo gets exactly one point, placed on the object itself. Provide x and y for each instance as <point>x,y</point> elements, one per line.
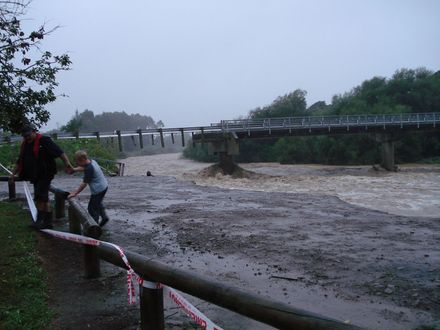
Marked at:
<point>386,141</point>
<point>226,149</point>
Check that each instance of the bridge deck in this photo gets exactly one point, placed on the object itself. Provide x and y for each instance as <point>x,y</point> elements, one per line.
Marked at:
<point>275,127</point>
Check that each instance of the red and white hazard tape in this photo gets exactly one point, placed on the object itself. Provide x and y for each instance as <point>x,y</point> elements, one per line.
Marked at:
<point>169,293</point>
<point>130,274</point>
<point>91,241</point>
<point>72,237</point>
<point>5,169</point>
<point>190,310</point>
<point>30,201</point>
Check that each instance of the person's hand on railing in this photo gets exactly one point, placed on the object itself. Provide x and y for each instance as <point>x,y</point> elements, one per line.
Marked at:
<point>69,169</point>
<point>71,195</point>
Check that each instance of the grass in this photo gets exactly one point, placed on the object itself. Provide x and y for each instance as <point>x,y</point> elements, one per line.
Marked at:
<point>432,160</point>
<point>23,299</point>
<point>9,153</point>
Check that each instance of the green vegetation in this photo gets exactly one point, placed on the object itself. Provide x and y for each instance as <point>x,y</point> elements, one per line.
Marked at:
<point>23,300</point>
<point>28,72</point>
<point>9,153</point>
<point>407,91</point>
<point>87,121</point>
<point>427,327</point>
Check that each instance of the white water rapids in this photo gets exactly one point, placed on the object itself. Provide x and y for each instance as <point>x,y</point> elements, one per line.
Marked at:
<point>413,191</point>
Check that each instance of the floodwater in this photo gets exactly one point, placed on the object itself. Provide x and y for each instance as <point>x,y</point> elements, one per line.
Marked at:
<point>413,191</point>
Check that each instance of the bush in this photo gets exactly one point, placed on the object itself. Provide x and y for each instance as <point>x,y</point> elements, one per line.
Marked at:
<point>10,152</point>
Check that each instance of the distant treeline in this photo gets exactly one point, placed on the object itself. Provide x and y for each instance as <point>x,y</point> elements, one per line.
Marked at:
<point>108,121</point>
<point>406,91</point>
<point>87,121</point>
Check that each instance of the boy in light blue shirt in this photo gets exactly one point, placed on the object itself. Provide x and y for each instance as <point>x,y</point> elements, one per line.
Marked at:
<point>94,177</point>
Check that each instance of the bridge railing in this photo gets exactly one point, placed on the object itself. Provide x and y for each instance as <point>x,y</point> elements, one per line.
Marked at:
<point>325,121</point>
<point>251,125</point>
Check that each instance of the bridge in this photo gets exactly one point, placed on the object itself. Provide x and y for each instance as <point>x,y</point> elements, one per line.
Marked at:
<point>223,138</point>
<point>384,128</point>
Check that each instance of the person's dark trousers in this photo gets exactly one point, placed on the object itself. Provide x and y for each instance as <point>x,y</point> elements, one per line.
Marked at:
<point>41,194</point>
<point>96,208</point>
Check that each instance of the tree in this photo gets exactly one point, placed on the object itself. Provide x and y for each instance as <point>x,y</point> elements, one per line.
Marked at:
<point>27,73</point>
<point>74,124</point>
<point>109,121</point>
<point>289,105</point>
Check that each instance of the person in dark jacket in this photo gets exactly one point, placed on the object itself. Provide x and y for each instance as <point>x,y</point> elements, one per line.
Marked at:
<point>36,164</point>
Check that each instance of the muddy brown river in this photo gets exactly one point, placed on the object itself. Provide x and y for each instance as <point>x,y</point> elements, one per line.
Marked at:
<point>345,242</point>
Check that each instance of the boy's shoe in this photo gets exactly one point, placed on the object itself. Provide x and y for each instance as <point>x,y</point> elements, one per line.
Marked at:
<point>103,222</point>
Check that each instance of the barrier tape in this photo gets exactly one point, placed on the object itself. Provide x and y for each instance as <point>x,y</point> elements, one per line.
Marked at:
<point>130,274</point>
<point>5,169</point>
<point>190,310</point>
<point>169,293</point>
<point>94,242</point>
<point>30,201</point>
<point>89,241</point>
<point>72,237</point>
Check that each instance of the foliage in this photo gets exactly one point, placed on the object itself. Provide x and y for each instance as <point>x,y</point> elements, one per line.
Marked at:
<point>407,91</point>
<point>27,81</point>
<point>74,124</point>
<point>9,152</point>
<point>199,152</point>
<point>94,150</point>
<point>23,299</point>
<point>289,105</point>
<point>109,121</point>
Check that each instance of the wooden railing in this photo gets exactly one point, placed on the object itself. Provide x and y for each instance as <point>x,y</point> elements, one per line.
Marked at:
<point>268,311</point>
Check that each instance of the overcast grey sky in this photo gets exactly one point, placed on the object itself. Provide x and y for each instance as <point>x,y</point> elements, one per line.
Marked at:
<point>194,62</point>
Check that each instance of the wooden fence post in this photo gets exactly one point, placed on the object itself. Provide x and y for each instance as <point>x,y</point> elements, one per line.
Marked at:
<point>59,206</point>
<point>91,262</point>
<point>11,188</point>
<point>74,224</point>
<point>151,305</point>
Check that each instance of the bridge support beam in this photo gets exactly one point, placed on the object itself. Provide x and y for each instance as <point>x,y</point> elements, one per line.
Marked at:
<point>387,151</point>
<point>225,148</point>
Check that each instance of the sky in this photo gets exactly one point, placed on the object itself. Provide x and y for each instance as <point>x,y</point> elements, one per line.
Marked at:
<point>196,62</point>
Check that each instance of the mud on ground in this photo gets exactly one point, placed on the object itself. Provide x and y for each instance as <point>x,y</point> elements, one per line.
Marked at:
<point>313,251</point>
<point>318,253</point>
